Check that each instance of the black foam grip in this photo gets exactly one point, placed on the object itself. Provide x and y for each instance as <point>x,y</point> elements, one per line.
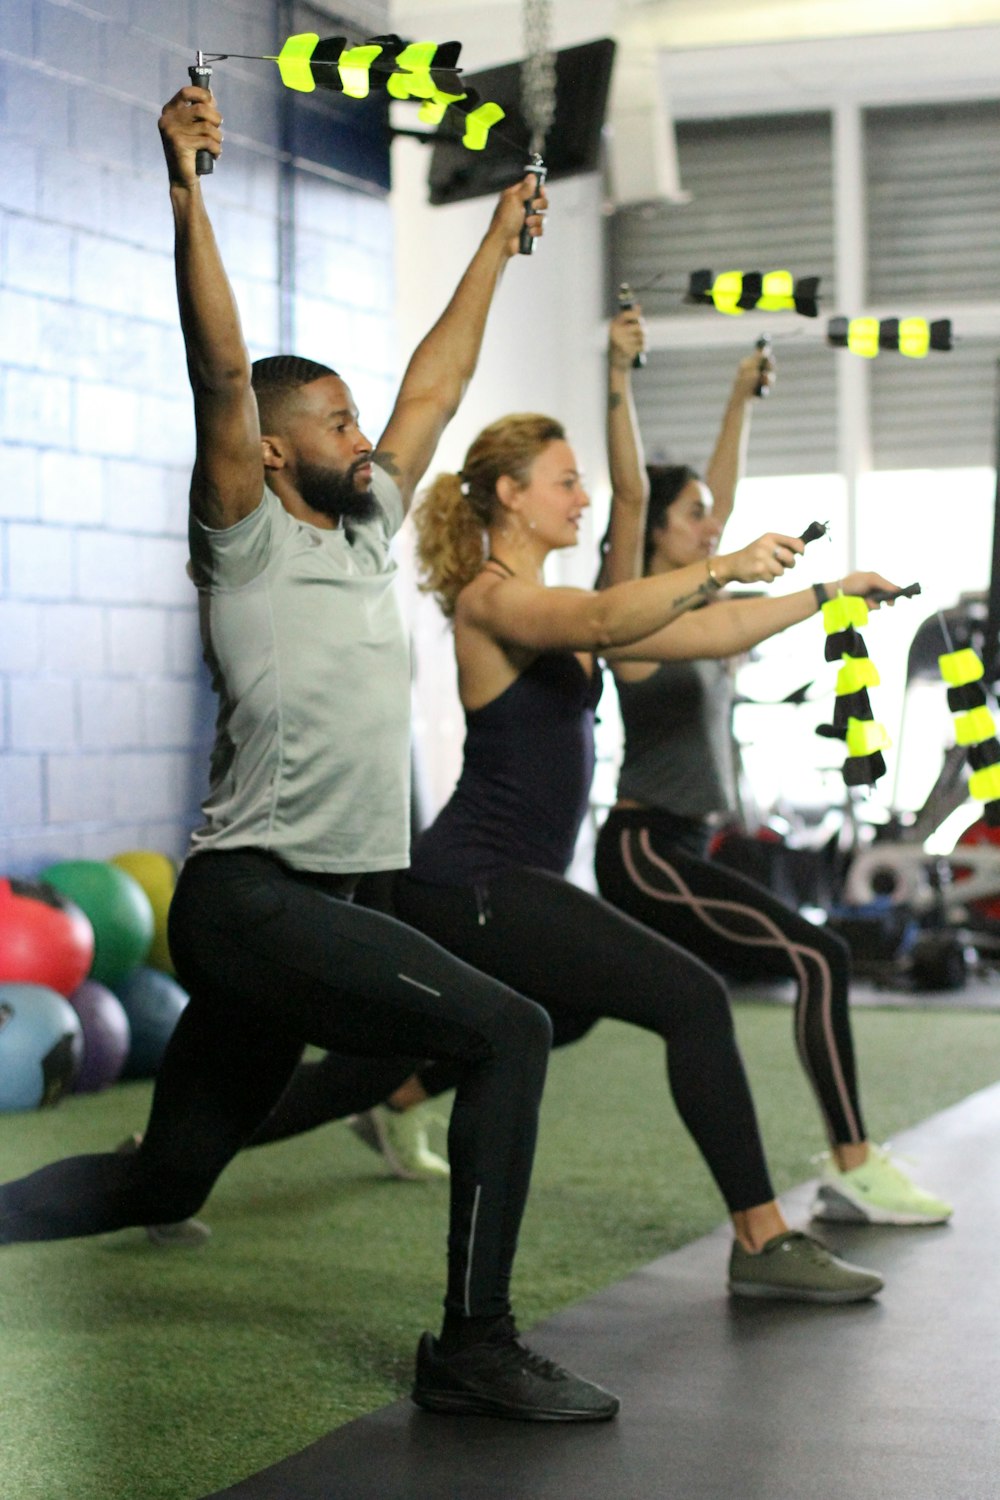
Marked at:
<point>864,770</point>
<point>986,753</point>
<point>885,596</point>
<point>844,643</point>
<point>639,362</point>
<point>526,242</point>
<point>764,346</point>
<point>204,161</point>
<point>962,699</point>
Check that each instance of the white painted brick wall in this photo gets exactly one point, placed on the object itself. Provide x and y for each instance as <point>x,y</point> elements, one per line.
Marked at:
<point>39,562</point>
<point>18,477</point>
<point>20,637</point>
<point>105,709</point>
<point>110,714</point>
<point>21,795</point>
<point>42,713</point>
<point>140,642</point>
<point>73,638</point>
<point>72,489</point>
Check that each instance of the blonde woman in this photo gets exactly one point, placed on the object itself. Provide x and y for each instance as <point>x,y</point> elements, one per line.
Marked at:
<point>487,879</point>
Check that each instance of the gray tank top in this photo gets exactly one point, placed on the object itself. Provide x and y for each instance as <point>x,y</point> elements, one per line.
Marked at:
<point>678,739</point>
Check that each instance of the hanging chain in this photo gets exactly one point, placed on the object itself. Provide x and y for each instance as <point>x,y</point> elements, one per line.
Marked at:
<point>538,72</point>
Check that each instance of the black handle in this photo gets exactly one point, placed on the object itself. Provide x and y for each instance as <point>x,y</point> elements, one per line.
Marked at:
<point>201,77</point>
<point>884,596</point>
<point>764,348</point>
<point>526,242</point>
<point>625,301</point>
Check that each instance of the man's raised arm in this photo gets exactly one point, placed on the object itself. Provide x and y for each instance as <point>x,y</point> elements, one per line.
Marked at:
<point>228,478</point>
<point>443,362</point>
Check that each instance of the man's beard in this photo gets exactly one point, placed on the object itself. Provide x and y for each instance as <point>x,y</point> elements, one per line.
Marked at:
<point>334,493</point>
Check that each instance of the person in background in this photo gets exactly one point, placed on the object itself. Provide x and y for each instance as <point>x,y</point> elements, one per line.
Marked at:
<point>677,781</point>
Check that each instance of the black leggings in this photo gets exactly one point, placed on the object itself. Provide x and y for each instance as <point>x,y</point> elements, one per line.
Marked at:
<point>732,922</point>
<point>582,960</point>
<point>272,962</point>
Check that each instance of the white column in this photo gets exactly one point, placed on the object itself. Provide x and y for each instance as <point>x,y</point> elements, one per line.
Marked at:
<point>854,445</point>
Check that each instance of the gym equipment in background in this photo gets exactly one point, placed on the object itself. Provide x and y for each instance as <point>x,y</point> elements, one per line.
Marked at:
<point>119,911</point>
<point>107,1037</point>
<point>157,874</point>
<point>44,938</point>
<point>41,1046</point>
<point>153,1003</point>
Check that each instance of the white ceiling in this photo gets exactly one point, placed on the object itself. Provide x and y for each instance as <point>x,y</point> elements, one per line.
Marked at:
<point>700,23</point>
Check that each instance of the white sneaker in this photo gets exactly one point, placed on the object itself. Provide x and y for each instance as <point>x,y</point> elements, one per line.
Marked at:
<point>877,1192</point>
<point>400,1138</point>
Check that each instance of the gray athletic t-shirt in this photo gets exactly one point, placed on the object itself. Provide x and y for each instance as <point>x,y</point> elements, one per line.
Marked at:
<point>309,657</point>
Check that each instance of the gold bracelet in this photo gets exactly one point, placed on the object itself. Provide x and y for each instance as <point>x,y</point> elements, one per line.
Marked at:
<point>715,582</point>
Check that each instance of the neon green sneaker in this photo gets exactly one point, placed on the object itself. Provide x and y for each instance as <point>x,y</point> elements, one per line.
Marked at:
<point>877,1192</point>
<point>400,1138</point>
<point>793,1267</point>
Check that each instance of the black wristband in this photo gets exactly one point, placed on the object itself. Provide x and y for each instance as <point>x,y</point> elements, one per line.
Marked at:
<point>822,594</point>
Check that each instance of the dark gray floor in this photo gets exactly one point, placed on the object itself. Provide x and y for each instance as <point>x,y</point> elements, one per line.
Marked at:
<point>720,1401</point>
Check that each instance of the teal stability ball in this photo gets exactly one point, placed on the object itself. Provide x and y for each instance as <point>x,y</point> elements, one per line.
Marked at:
<point>41,1046</point>
<point>119,910</point>
<point>153,1003</point>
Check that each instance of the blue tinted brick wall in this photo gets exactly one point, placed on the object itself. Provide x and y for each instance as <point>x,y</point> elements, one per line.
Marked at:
<point>105,713</point>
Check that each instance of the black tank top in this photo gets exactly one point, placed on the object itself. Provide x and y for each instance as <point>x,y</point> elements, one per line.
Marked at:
<point>526,774</point>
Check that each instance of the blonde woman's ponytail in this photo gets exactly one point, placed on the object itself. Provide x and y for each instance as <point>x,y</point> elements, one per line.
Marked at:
<point>450,541</point>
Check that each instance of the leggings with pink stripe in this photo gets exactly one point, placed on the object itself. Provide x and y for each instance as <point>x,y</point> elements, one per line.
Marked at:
<point>737,926</point>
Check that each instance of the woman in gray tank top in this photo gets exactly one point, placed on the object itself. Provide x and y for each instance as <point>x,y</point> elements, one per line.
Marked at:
<point>677,777</point>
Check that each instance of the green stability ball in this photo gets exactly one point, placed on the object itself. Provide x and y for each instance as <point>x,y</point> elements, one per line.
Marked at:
<point>119,910</point>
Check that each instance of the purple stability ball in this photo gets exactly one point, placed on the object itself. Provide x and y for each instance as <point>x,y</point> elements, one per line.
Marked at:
<point>107,1036</point>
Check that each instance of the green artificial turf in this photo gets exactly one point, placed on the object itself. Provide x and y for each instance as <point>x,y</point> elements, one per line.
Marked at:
<point>130,1373</point>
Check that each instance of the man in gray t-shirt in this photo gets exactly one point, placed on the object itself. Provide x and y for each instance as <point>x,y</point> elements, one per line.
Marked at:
<point>291,516</point>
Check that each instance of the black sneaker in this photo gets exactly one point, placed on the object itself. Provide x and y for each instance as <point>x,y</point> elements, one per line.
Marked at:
<point>502,1378</point>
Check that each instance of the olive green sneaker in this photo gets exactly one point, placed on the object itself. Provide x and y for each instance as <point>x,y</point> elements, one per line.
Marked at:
<point>793,1267</point>
<point>877,1192</point>
<point>400,1138</point>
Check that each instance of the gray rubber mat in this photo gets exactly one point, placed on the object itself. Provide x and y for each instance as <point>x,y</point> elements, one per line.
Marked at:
<point>732,1401</point>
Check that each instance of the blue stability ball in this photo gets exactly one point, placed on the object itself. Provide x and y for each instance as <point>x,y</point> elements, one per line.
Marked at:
<point>41,1046</point>
<point>153,1003</point>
